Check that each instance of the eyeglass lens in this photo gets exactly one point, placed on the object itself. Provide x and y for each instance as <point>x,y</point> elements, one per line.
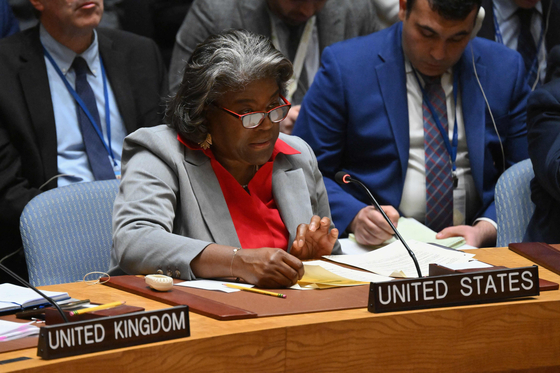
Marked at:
<point>276,115</point>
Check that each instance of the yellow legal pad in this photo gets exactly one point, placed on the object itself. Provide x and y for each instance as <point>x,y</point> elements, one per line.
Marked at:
<point>317,277</point>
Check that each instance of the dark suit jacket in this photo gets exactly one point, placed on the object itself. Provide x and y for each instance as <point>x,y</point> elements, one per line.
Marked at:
<point>28,139</point>
<point>552,37</point>
<point>543,125</point>
<point>355,118</point>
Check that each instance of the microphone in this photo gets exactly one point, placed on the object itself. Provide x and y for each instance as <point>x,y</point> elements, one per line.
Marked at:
<point>342,177</point>
<point>22,281</point>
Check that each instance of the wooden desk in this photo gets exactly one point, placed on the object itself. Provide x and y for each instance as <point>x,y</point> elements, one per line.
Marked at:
<point>521,335</point>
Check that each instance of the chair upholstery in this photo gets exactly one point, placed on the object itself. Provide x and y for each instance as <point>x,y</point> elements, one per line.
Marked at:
<point>514,207</point>
<point>67,232</point>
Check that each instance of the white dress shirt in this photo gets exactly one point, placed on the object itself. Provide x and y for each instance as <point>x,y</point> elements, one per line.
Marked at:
<point>72,156</point>
<point>312,56</point>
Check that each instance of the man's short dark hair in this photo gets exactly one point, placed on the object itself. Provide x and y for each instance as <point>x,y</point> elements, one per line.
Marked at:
<point>449,9</point>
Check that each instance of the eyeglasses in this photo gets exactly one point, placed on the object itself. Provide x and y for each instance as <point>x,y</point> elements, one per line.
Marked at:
<point>254,119</point>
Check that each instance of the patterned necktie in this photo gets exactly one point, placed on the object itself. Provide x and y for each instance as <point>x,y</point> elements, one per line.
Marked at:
<point>95,150</point>
<point>439,181</point>
<point>526,45</point>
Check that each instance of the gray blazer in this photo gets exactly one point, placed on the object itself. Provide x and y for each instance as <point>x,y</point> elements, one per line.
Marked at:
<point>338,20</point>
<point>170,205</point>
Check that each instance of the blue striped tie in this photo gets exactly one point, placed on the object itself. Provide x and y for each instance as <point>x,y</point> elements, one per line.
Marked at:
<point>98,157</point>
<point>439,181</point>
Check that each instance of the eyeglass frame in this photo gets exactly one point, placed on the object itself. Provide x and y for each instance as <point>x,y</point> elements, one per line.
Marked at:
<point>266,113</point>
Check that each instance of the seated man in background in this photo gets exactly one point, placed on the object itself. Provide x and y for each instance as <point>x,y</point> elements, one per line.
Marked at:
<point>299,29</point>
<point>530,27</point>
<point>543,126</point>
<point>47,139</point>
<point>402,110</point>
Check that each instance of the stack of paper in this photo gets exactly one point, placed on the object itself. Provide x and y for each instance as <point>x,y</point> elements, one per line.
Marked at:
<point>13,297</point>
<point>216,285</point>
<point>410,229</point>
<point>324,275</point>
<point>394,260</point>
<point>12,330</point>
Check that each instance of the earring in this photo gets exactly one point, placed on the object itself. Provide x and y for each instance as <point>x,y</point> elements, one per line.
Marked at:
<point>207,142</point>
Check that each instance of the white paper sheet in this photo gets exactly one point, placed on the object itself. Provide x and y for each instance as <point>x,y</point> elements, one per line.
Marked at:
<point>10,330</point>
<point>395,258</point>
<point>351,274</point>
<point>212,285</point>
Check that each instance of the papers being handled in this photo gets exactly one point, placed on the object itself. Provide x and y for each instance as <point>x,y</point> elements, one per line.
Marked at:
<point>213,285</point>
<point>10,330</point>
<point>393,260</point>
<point>318,275</point>
<point>410,229</point>
<point>324,275</point>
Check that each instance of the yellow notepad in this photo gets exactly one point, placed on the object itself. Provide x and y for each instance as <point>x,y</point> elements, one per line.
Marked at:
<point>317,277</point>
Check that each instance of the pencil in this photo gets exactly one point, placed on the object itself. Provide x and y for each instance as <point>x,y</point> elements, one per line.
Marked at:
<point>256,290</point>
<point>97,308</point>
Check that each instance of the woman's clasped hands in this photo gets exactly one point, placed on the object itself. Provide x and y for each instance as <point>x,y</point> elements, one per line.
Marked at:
<point>274,268</point>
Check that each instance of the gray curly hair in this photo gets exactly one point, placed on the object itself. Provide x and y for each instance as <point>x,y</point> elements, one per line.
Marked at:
<point>225,62</point>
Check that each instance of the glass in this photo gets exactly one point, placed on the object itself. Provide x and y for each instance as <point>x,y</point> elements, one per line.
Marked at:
<point>254,119</point>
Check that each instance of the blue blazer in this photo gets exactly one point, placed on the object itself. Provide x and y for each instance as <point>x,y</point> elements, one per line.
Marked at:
<point>355,117</point>
<point>543,114</point>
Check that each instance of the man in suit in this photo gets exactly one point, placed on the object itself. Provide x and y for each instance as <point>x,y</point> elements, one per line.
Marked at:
<point>508,21</point>
<point>376,107</point>
<point>44,133</point>
<point>543,126</point>
<point>289,23</point>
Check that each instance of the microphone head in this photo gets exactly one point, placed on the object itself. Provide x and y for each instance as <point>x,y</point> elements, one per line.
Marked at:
<point>342,177</point>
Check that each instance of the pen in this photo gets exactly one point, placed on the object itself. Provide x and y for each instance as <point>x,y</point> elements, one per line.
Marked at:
<point>70,305</point>
<point>40,311</point>
<point>256,290</point>
<point>97,308</point>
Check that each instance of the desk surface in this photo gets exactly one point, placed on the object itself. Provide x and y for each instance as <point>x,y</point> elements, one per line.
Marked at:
<point>521,335</point>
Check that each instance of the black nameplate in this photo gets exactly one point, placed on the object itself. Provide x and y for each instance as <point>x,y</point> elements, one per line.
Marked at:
<point>454,289</point>
<point>107,333</point>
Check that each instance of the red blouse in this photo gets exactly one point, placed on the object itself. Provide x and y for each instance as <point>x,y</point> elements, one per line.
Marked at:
<point>255,215</point>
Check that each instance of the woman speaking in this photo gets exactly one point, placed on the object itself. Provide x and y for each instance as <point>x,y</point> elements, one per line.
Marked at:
<point>218,193</point>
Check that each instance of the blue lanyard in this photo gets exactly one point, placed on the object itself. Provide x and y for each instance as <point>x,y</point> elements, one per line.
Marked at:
<point>83,105</point>
<point>500,39</point>
<point>451,147</point>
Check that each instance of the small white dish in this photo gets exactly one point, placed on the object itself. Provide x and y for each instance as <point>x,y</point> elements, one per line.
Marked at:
<point>159,282</point>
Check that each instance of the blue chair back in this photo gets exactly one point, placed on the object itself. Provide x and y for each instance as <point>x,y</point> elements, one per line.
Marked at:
<point>67,232</point>
<point>514,207</point>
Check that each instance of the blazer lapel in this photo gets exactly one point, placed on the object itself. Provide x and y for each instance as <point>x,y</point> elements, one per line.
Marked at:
<point>255,17</point>
<point>290,193</point>
<point>474,110</point>
<point>211,201</point>
<point>117,74</point>
<point>330,28</point>
<point>35,84</point>
<point>391,76</point>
